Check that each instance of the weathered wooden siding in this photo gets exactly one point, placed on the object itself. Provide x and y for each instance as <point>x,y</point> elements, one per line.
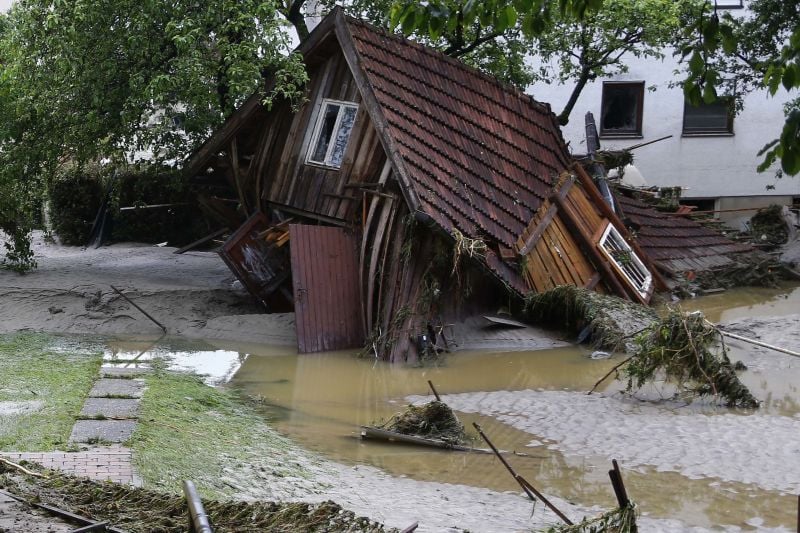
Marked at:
<point>326,292</point>
<point>285,177</point>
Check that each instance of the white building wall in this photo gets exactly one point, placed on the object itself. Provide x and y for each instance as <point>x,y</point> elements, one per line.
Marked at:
<point>707,167</point>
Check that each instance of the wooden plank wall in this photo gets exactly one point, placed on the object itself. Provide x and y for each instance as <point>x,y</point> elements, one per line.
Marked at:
<point>286,178</point>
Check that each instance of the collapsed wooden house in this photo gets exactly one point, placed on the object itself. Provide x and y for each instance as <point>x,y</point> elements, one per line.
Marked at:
<point>411,191</point>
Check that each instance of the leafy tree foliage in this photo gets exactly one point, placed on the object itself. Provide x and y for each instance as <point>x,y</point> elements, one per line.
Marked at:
<point>89,79</point>
<point>573,42</point>
<point>743,53</point>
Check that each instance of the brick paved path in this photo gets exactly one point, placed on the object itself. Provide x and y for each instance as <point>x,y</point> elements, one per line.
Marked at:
<point>109,415</point>
<point>112,463</point>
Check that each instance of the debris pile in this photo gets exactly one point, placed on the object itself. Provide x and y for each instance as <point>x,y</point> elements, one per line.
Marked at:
<point>768,226</point>
<point>433,420</point>
<point>141,510</point>
<point>619,520</point>
<point>688,350</point>
<point>607,322</point>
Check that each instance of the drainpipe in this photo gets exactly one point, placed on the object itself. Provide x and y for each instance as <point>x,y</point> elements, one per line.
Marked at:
<point>597,170</point>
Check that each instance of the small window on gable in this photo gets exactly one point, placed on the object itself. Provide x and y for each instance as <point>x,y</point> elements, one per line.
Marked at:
<point>621,113</point>
<point>626,261</point>
<point>331,133</point>
<point>709,119</point>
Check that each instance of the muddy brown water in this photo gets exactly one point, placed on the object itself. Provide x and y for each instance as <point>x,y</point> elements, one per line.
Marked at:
<point>320,400</point>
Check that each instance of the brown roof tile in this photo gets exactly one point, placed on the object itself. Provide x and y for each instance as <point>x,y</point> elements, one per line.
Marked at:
<point>481,156</point>
<point>678,243</point>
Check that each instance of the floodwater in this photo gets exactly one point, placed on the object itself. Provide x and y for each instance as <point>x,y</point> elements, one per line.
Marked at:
<point>320,400</point>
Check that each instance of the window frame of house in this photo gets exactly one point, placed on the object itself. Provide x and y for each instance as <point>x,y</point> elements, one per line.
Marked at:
<point>613,245</point>
<point>726,131</point>
<point>633,133</point>
<point>327,161</point>
<point>728,4</point>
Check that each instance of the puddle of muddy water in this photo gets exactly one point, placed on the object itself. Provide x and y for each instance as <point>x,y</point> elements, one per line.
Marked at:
<point>319,400</point>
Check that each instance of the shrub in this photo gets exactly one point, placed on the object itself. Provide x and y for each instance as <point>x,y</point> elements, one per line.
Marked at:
<point>75,194</point>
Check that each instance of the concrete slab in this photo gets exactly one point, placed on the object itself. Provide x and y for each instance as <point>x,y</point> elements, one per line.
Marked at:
<point>117,387</point>
<point>123,371</point>
<point>110,407</point>
<point>102,430</point>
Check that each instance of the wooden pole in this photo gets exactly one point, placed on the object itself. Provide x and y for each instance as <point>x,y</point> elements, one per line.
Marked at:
<point>436,394</point>
<point>145,313</point>
<point>757,343</point>
<point>619,486</point>
<point>529,489</point>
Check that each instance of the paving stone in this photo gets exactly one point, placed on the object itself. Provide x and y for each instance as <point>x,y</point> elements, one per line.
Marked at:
<point>102,430</point>
<point>124,371</point>
<point>110,407</point>
<point>105,387</point>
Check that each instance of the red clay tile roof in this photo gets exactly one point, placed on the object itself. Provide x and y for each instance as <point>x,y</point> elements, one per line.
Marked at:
<point>678,243</point>
<point>481,156</point>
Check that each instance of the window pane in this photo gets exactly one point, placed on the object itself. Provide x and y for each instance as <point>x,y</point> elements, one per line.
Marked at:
<point>325,133</point>
<point>621,111</point>
<point>342,135</point>
<point>707,118</point>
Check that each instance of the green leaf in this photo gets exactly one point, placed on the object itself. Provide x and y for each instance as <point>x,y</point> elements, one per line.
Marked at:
<point>709,94</point>
<point>790,76</point>
<point>696,63</point>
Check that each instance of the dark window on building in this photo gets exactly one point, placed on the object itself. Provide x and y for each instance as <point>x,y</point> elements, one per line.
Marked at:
<point>709,119</point>
<point>622,109</point>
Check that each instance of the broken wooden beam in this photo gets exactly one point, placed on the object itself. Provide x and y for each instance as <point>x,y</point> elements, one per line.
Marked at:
<point>203,240</point>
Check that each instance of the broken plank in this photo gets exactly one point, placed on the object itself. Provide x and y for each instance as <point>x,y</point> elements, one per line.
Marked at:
<point>203,240</point>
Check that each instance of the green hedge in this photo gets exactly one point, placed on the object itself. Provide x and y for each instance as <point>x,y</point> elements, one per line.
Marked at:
<point>178,225</point>
<point>75,194</point>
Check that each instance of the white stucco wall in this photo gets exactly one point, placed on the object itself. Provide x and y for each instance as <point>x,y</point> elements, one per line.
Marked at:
<point>708,167</point>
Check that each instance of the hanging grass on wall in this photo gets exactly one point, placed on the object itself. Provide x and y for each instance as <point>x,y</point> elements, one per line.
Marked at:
<point>607,322</point>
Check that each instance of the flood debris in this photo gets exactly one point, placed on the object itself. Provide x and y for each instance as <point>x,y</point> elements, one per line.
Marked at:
<point>141,510</point>
<point>433,420</point>
<point>605,321</point>
<point>688,351</point>
<point>619,520</point>
<point>768,227</point>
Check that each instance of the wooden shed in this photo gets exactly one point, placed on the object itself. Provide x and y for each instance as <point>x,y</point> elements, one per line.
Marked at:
<point>442,193</point>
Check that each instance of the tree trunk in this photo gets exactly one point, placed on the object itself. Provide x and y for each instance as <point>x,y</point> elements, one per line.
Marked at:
<point>563,117</point>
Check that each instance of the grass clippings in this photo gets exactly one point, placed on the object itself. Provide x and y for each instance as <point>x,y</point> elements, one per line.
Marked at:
<point>139,510</point>
<point>52,382</point>
<point>189,430</point>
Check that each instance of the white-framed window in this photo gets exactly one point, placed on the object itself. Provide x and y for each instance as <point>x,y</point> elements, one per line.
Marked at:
<point>331,133</point>
<point>627,262</point>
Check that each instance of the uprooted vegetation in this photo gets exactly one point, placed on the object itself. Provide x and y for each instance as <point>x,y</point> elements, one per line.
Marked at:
<point>688,351</point>
<point>683,349</point>
<point>142,510</point>
<point>434,420</point>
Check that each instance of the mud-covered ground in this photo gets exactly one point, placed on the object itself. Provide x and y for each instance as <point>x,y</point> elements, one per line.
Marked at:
<point>194,295</point>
